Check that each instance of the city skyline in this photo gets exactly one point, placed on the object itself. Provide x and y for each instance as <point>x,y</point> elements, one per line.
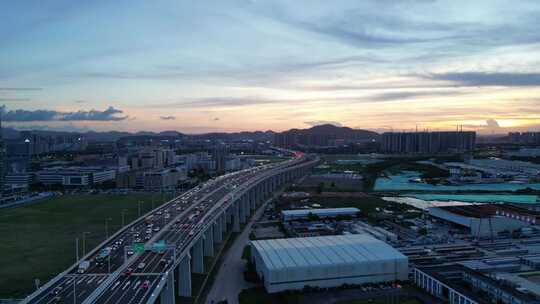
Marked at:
<point>253,65</point>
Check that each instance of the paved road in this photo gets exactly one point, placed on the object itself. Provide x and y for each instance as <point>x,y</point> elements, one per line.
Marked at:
<point>177,223</point>
<point>230,281</point>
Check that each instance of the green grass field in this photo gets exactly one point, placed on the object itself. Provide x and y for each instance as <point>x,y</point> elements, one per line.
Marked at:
<point>38,241</point>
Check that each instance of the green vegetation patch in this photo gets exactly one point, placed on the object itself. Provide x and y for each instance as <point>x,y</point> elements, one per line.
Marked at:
<point>38,241</point>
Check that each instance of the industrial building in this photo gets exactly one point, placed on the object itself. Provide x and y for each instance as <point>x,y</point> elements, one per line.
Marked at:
<point>456,283</point>
<point>303,214</point>
<point>486,220</point>
<point>326,261</point>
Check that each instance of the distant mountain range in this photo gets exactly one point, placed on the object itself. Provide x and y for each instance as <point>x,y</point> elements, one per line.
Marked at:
<point>93,136</point>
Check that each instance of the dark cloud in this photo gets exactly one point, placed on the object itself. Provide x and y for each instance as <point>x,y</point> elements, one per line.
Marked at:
<point>170,117</point>
<point>19,115</point>
<point>393,96</point>
<point>20,89</point>
<point>489,79</point>
<point>218,101</point>
<point>8,99</point>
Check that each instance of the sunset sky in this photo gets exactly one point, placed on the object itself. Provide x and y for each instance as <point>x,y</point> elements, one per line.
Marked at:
<point>199,66</point>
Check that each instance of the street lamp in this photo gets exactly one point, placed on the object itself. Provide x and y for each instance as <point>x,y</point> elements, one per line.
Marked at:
<point>84,242</point>
<point>123,214</point>
<point>77,249</point>
<point>107,227</point>
<point>140,203</point>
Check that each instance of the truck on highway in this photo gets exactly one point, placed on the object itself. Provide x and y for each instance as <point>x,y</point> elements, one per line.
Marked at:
<point>83,266</point>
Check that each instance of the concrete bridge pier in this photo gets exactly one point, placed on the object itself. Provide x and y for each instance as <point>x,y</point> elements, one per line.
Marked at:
<point>208,242</point>
<point>167,293</point>
<point>197,257</point>
<point>236,216</point>
<point>184,277</point>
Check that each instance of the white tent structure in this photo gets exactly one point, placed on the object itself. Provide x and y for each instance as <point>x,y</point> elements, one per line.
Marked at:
<point>326,261</point>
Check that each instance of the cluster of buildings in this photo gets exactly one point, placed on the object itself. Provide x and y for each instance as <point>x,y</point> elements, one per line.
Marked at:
<point>490,255</point>
<point>56,161</point>
<point>32,143</point>
<point>428,142</point>
<point>492,170</point>
<point>525,138</point>
<point>327,247</point>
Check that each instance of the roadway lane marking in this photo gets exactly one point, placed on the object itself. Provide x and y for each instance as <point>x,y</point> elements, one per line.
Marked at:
<point>115,285</point>
<point>148,291</point>
<point>136,284</point>
<point>126,285</point>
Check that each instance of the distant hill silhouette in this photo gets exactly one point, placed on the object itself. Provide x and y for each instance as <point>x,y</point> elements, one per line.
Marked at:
<point>94,136</point>
<point>341,132</point>
<point>323,135</point>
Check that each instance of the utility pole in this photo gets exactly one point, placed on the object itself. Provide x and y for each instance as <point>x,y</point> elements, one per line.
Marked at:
<point>140,203</point>
<point>77,249</point>
<point>123,215</point>
<point>84,242</point>
<point>107,227</point>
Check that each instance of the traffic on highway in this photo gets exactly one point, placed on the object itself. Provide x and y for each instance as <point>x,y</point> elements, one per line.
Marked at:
<point>128,266</point>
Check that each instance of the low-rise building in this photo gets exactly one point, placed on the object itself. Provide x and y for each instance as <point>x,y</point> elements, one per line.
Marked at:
<point>75,176</point>
<point>486,220</point>
<point>162,180</point>
<point>326,261</point>
<point>459,284</point>
<point>304,214</point>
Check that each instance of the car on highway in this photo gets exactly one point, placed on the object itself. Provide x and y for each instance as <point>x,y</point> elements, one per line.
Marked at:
<point>57,290</point>
<point>147,237</point>
<point>129,252</point>
<point>128,271</point>
<point>145,284</point>
<point>141,265</point>
<point>156,229</point>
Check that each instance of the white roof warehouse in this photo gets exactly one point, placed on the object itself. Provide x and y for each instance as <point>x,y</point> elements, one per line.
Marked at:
<point>326,261</point>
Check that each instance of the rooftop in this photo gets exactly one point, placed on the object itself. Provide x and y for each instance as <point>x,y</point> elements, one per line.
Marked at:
<point>488,210</point>
<point>452,275</point>
<point>326,211</point>
<point>324,250</point>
